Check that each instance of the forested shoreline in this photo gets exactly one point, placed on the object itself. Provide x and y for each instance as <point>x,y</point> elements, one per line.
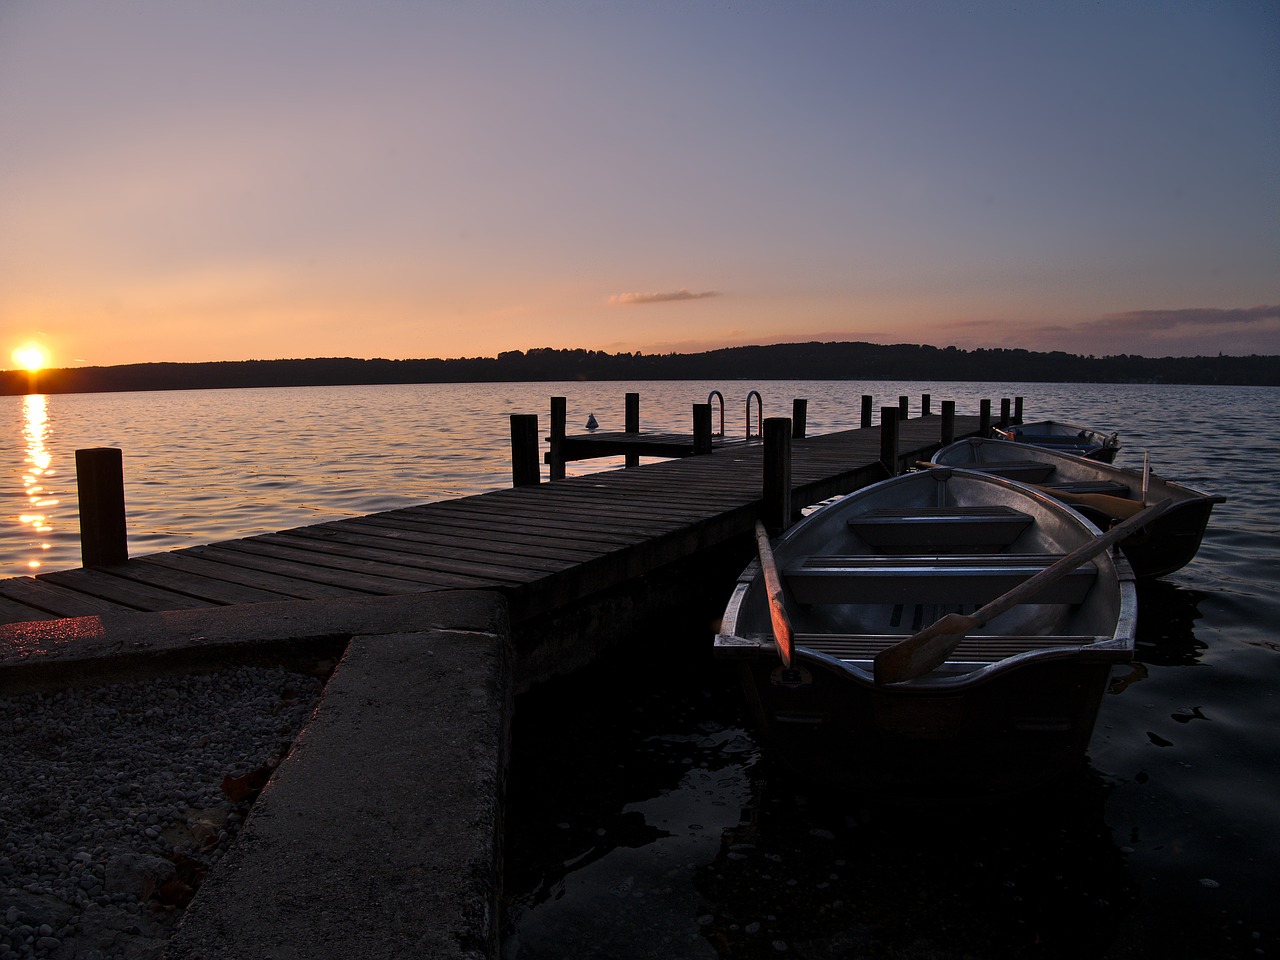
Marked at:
<point>790,361</point>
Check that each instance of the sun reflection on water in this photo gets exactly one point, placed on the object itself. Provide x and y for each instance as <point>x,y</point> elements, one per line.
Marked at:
<point>36,468</point>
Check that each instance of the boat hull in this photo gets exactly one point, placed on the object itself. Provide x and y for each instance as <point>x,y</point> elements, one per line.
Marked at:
<point>1067,437</point>
<point>1017,732</point>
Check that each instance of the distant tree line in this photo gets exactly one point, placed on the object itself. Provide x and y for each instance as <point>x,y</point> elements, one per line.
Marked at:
<point>788,361</point>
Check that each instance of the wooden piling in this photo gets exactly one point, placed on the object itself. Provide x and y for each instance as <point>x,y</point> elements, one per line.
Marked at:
<point>799,416</point>
<point>926,404</point>
<point>776,508</point>
<point>866,409</point>
<point>948,422</point>
<point>100,488</point>
<point>904,409</point>
<point>889,439</point>
<point>701,428</point>
<point>525,470</point>
<point>1005,413</point>
<point>632,425</point>
<point>1017,410</point>
<point>559,417</point>
<point>984,419</point>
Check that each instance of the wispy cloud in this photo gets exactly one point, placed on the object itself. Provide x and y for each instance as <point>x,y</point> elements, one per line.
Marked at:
<point>619,299</point>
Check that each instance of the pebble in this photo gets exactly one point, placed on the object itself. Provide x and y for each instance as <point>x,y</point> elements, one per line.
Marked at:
<point>101,786</point>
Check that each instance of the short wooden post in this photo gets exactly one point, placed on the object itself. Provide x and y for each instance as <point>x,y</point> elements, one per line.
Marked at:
<point>776,508</point>
<point>525,470</point>
<point>559,418</point>
<point>984,418</point>
<point>100,488</point>
<point>1017,409</point>
<point>904,410</point>
<point>889,439</point>
<point>701,428</point>
<point>948,422</point>
<point>866,410</point>
<point>632,425</point>
<point>1004,413</point>
<point>799,416</point>
<point>926,403</point>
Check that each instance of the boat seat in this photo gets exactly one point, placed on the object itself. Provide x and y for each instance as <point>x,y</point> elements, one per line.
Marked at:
<point>1112,488</point>
<point>970,579</point>
<point>953,528</point>
<point>1028,471</point>
<point>980,648</point>
<point>1042,438</point>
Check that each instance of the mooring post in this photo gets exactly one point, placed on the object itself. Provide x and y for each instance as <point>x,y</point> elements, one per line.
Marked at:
<point>889,439</point>
<point>701,428</point>
<point>631,424</point>
<point>1017,410</point>
<point>903,409</point>
<point>559,418</point>
<point>948,422</point>
<point>926,403</point>
<point>776,508</point>
<point>799,416</point>
<point>866,410</point>
<point>100,488</point>
<point>525,470</point>
<point>984,418</point>
<point>1004,413</point>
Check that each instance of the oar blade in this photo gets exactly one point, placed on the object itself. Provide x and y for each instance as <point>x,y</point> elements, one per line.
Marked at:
<point>783,636</point>
<point>926,651</point>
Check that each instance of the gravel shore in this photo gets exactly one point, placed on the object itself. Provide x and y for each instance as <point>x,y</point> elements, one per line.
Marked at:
<point>116,800</point>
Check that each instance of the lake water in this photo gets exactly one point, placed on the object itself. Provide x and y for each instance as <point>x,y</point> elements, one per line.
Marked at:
<point>645,821</point>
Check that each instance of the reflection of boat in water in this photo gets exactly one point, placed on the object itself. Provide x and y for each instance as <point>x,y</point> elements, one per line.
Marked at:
<point>1067,437</point>
<point>1012,706</point>
<point>807,870</point>
<point>1166,630</point>
<point>1103,493</point>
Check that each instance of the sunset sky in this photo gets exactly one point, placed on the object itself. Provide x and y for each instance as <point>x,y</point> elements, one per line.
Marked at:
<point>195,180</point>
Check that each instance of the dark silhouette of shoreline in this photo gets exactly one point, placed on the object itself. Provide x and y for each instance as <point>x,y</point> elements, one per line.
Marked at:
<point>789,361</point>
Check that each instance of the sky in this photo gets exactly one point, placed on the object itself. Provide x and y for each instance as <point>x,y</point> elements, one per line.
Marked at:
<point>185,180</point>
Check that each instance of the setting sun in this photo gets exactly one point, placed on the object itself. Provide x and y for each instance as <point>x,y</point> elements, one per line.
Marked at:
<point>31,356</point>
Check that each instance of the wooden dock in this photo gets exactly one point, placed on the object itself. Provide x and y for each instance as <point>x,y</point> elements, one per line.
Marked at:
<point>541,545</point>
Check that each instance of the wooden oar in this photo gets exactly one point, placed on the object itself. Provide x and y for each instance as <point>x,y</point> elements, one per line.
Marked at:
<point>782,633</point>
<point>1119,508</point>
<point>917,655</point>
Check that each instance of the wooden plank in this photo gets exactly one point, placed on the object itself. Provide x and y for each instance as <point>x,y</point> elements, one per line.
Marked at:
<point>156,572</point>
<point>448,542</point>
<point>11,611</point>
<point>59,601</point>
<point>598,503</point>
<point>101,583</point>
<point>601,519</point>
<point>382,579</point>
<point>458,567</point>
<point>467,518</point>
<point>234,569</point>
<point>250,556</point>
